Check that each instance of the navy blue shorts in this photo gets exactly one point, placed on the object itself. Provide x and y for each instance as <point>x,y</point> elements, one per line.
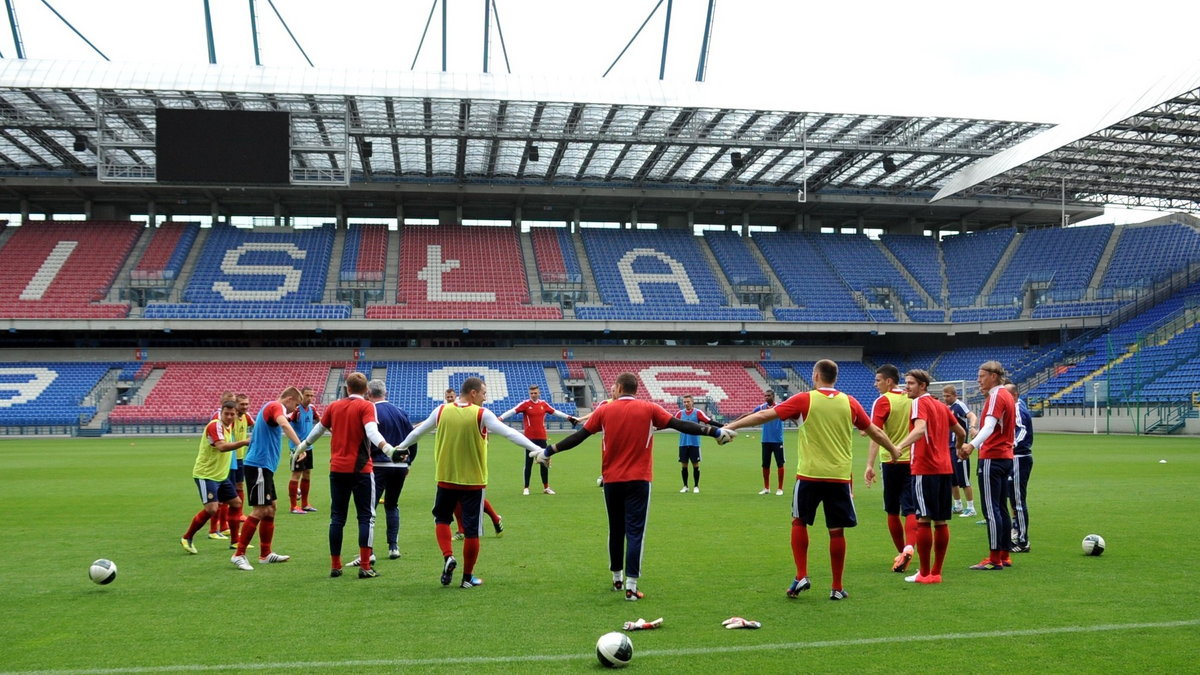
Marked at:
<point>260,486</point>
<point>962,472</point>
<point>238,475</point>
<point>215,490</point>
<point>770,450</point>
<point>897,489</point>
<point>305,464</point>
<point>472,508</point>
<point>839,505</point>
<point>932,495</point>
<point>689,453</point>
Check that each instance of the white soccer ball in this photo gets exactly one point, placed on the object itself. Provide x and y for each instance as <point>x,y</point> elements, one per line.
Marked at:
<point>615,650</point>
<point>103,571</point>
<point>1093,544</point>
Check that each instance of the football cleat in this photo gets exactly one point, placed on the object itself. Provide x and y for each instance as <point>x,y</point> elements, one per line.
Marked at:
<point>765,491</point>
<point>633,595</point>
<point>335,572</point>
<point>924,579</point>
<point>188,545</point>
<point>448,569</point>
<point>696,490</point>
<point>618,585</point>
<point>240,562</point>
<point>779,491</point>
<point>900,563</point>
<point>967,513</point>
<point>358,561</point>
<point>299,511</point>
<point>233,546</point>
<point>957,508</point>
<point>274,557</point>
<point>1020,548</point>
<point>548,491</point>
<point>683,490</point>
<point>471,582</point>
<point>367,574</point>
<point>499,526</point>
<point>838,594</point>
<point>393,553</point>
<point>310,508</point>
<point>525,492</point>
<point>217,535</point>
<point>225,532</point>
<point>459,536</point>
<point>797,587</point>
<point>986,564</point>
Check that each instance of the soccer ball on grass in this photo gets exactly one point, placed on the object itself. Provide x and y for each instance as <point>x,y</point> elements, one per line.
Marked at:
<point>614,650</point>
<point>1093,544</point>
<point>103,571</point>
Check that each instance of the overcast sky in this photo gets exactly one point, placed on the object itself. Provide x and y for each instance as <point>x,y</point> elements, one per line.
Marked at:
<point>1042,61</point>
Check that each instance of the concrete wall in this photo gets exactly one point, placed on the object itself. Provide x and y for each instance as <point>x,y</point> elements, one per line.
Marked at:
<point>1114,420</point>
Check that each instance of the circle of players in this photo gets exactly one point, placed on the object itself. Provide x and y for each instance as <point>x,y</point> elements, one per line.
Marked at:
<point>928,442</point>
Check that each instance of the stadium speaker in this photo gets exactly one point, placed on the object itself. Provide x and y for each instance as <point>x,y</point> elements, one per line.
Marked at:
<point>534,155</point>
<point>80,144</point>
<point>889,164</point>
<point>735,158</point>
<point>367,149</point>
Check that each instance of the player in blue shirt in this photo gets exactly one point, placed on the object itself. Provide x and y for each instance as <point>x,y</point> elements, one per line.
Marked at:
<point>302,418</point>
<point>962,467</point>
<point>689,445</point>
<point>1022,467</point>
<point>772,445</point>
<point>389,477</point>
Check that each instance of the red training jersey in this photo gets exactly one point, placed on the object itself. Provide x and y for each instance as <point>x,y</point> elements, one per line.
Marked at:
<point>929,456</point>
<point>627,450</point>
<point>349,449</point>
<point>535,418</point>
<point>999,404</point>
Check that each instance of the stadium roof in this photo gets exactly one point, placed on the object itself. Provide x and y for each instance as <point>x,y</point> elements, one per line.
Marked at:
<point>65,123</point>
<point>1144,152</point>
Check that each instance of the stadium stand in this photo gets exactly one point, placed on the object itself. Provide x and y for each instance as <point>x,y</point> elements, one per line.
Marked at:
<point>417,386</point>
<point>725,383</point>
<point>188,391</point>
<point>1076,252</point>
<point>919,255</point>
<point>38,394</point>
<point>854,378</point>
<point>864,267</point>
<point>364,253</point>
<point>655,275</point>
<point>970,260</point>
<point>1146,254</point>
<point>548,250</point>
<point>63,270</point>
<point>257,274</point>
<point>972,314</point>
<point>735,258</point>
<point>814,286</point>
<point>461,273</point>
<point>1152,361</point>
<point>166,252</point>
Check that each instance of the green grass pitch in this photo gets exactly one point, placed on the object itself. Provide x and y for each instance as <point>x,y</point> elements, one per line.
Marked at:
<point>709,556</point>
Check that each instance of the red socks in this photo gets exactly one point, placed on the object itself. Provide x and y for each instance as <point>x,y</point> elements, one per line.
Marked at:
<point>766,478</point>
<point>197,522</point>
<point>779,472</point>
<point>896,529</point>
<point>248,529</point>
<point>924,546</point>
<point>442,532</point>
<point>305,484</point>
<point>293,487</point>
<point>941,541</point>
<point>837,556</point>
<point>364,557</point>
<point>470,555</point>
<point>265,535</point>
<point>800,547</point>
<point>910,529</point>
<point>235,522</point>
<point>487,508</point>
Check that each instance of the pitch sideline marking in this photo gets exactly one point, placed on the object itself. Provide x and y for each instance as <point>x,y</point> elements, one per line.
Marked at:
<point>469,660</point>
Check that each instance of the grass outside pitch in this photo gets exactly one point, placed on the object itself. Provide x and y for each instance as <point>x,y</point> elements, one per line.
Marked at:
<point>709,556</point>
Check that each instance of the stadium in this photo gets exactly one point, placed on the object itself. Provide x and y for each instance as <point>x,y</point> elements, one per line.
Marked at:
<point>178,230</point>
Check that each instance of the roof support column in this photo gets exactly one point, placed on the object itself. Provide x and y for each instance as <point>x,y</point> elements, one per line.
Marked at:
<point>339,216</point>
<point>574,220</point>
<point>517,219</point>
<point>152,213</point>
<point>745,228</point>
<point>633,218</point>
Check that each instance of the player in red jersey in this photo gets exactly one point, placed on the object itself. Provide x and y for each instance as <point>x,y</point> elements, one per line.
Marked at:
<point>355,435</point>
<point>825,416</point>
<point>995,445</point>
<point>627,461</point>
<point>932,474</point>
<point>535,410</point>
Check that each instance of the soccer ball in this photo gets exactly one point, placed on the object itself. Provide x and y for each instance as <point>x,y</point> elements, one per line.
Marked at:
<point>103,571</point>
<point>615,650</point>
<point>1093,544</point>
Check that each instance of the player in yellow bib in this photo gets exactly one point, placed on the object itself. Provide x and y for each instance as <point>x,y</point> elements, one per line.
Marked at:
<point>211,474</point>
<point>461,470</point>
<point>891,412</point>
<point>825,451</point>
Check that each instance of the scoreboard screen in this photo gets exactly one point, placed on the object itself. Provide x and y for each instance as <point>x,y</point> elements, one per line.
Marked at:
<point>222,146</point>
